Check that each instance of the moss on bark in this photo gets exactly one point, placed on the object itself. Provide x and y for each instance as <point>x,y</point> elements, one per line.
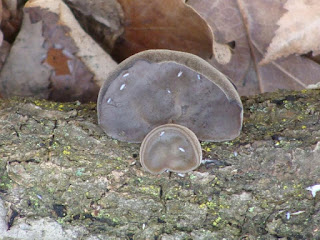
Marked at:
<point>56,162</point>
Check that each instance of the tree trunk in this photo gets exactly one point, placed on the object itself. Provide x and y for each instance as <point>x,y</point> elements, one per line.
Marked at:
<point>66,179</point>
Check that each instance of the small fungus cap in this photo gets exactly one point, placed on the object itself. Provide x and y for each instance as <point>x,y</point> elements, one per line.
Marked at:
<point>170,147</point>
<point>157,87</point>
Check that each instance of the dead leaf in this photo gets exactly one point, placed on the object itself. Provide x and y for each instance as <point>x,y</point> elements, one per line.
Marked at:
<point>166,24</point>
<point>4,51</point>
<point>101,19</point>
<point>1,11</point>
<point>23,74</point>
<point>58,61</point>
<point>227,25</point>
<point>12,6</point>
<point>53,57</point>
<point>315,56</point>
<point>11,19</point>
<point>89,52</point>
<point>1,38</point>
<point>245,25</point>
<point>298,32</point>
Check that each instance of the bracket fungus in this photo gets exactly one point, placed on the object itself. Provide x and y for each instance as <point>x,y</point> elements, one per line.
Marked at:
<point>169,100</point>
<point>157,87</point>
<point>170,147</point>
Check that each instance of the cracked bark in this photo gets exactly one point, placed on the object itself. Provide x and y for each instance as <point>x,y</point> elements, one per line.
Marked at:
<point>56,165</point>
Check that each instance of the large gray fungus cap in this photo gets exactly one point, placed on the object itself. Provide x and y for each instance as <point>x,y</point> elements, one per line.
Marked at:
<point>157,87</point>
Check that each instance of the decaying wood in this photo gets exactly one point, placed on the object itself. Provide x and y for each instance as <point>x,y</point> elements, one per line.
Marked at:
<point>57,168</point>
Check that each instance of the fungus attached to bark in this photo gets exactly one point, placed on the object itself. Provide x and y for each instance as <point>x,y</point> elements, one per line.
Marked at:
<point>170,147</point>
<point>157,87</point>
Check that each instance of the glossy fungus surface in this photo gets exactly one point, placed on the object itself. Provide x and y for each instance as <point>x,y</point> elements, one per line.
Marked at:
<point>157,87</point>
<point>170,147</point>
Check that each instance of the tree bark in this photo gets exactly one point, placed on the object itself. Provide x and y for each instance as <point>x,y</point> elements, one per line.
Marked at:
<point>61,174</point>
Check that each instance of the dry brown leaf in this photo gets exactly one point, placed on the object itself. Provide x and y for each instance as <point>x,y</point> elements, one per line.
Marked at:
<point>0,11</point>
<point>53,57</point>
<point>58,60</point>
<point>1,34</point>
<point>245,25</point>
<point>226,22</point>
<point>1,38</point>
<point>23,74</point>
<point>166,24</point>
<point>12,6</point>
<point>102,19</point>
<point>11,19</point>
<point>4,51</point>
<point>298,32</point>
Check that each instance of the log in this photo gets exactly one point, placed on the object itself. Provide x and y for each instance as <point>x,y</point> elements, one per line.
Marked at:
<point>61,177</point>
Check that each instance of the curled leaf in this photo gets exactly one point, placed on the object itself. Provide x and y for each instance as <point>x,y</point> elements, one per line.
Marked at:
<point>298,32</point>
